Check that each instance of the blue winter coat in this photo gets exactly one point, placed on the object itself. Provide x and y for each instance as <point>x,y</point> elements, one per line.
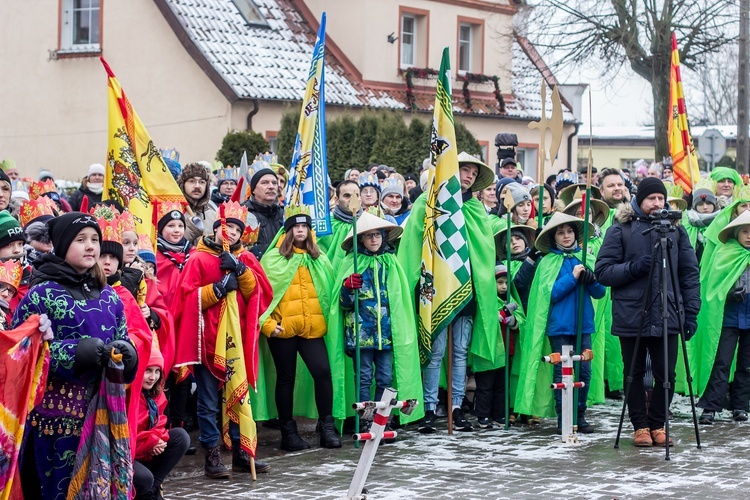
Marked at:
<point>563,309</point>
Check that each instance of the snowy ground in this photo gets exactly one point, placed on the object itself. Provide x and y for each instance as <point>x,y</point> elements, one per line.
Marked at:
<point>522,462</point>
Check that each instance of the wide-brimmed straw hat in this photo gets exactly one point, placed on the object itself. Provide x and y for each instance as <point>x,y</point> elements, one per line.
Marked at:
<point>485,175</point>
<point>677,203</point>
<point>528,232</point>
<point>368,222</point>
<point>601,210</point>
<point>545,239</point>
<point>568,193</point>
<point>731,229</point>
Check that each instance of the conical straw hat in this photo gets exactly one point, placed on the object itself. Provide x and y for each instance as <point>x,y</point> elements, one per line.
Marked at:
<point>528,231</point>
<point>485,175</point>
<point>728,232</point>
<point>547,236</point>
<point>601,210</point>
<point>368,222</point>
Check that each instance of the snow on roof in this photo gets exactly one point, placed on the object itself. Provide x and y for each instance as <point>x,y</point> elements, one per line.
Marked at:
<point>271,62</point>
<point>647,132</point>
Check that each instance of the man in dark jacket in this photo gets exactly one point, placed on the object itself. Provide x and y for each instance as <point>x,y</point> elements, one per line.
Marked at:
<point>193,182</point>
<point>264,204</point>
<point>623,263</point>
<point>91,187</point>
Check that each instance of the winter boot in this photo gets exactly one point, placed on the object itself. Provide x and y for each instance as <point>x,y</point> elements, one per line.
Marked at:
<point>707,417</point>
<point>583,426</point>
<point>427,426</point>
<point>290,438</point>
<point>213,466</point>
<point>558,410</point>
<point>241,461</point>
<point>329,438</point>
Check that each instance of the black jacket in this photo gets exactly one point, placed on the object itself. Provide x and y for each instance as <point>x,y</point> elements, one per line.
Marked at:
<point>76,198</point>
<point>50,267</point>
<point>270,219</point>
<point>614,268</point>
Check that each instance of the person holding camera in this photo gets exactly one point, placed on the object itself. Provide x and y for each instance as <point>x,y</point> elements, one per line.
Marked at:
<point>624,263</point>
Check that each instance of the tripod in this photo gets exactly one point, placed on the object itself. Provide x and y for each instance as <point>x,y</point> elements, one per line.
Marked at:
<point>660,256</point>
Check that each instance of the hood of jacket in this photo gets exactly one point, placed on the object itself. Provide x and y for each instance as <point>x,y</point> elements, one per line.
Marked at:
<point>50,267</point>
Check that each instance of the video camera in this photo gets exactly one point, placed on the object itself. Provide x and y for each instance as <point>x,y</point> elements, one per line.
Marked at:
<point>506,146</point>
<point>665,214</point>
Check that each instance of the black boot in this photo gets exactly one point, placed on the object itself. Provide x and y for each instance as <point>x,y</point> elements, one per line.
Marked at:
<point>214,468</point>
<point>583,426</point>
<point>290,438</point>
<point>329,438</point>
<point>558,410</point>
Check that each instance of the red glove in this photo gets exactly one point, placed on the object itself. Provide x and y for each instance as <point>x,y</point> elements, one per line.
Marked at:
<point>353,282</point>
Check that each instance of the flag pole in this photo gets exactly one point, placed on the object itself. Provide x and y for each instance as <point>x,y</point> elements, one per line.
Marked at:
<point>354,205</point>
<point>449,377</point>
<point>508,202</point>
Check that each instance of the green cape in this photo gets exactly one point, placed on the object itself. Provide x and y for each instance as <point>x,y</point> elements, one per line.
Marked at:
<point>712,238</point>
<point>280,272</point>
<point>482,257</point>
<point>406,370</point>
<point>731,260</point>
<point>331,244</point>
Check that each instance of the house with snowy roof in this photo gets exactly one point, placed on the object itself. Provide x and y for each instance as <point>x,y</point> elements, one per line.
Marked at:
<point>196,69</point>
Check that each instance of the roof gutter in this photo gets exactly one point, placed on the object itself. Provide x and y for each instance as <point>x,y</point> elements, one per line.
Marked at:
<point>253,112</point>
<point>570,145</point>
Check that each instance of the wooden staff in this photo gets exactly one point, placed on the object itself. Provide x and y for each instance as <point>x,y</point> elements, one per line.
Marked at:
<point>354,205</point>
<point>449,376</point>
<point>508,202</point>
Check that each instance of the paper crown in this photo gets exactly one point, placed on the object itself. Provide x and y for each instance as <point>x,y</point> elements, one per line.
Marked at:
<point>11,272</point>
<point>145,243</point>
<point>38,188</point>
<point>392,185</point>
<point>18,185</point>
<point>233,210</point>
<point>165,207</point>
<point>226,174</point>
<point>263,160</point>
<point>674,190</point>
<point>127,222</point>
<point>171,154</point>
<point>7,164</point>
<point>34,209</point>
<point>369,179</point>
<point>108,219</point>
<point>252,228</point>
<point>292,210</point>
<point>705,183</point>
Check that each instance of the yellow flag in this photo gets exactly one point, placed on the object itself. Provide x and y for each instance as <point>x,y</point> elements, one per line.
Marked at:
<point>681,147</point>
<point>136,175</point>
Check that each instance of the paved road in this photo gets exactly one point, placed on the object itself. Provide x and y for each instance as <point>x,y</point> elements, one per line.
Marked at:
<point>520,463</point>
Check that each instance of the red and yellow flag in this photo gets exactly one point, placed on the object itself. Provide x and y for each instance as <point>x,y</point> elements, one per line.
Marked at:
<point>136,175</point>
<point>681,147</point>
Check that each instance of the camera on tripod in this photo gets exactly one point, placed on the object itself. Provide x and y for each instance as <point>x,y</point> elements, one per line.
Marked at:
<point>665,214</point>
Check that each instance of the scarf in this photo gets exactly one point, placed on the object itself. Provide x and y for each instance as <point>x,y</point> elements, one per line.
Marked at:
<point>95,188</point>
<point>104,468</point>
<point>344,216</point>
<point>700,220</point>
<point>177,253</point>
<point>153,410</point>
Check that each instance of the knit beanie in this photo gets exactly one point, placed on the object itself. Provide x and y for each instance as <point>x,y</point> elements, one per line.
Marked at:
<point>4,177</point>
<point>257,176</point>
<point>10,229</point>
<point>502,183</point>
<point>500,270</point>
<point>147,256</point>
<point>168,217</point>
<point>519,193</point>
<point>240,224</point>
<point>392,186</point>
<point>649,186</point>
<point>113,248</point>
<point>95,168</point>
<point>64,229</point>
<point>292,221</point>
<point>368,179</point>
<point>703,195</point>
<point>155,358</point>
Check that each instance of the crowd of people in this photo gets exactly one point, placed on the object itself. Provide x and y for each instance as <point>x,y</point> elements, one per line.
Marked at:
<point>142,317</point>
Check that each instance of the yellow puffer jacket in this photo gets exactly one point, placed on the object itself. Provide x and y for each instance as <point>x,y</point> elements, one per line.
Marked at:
<point>299,310</point>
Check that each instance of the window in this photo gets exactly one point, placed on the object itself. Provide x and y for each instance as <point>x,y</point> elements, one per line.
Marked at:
<point>80,28</point>
<point>272,136</point>
<point>250,12</point>
<point>464,47</point>
<point>413,37</point>
<point>408,42</point>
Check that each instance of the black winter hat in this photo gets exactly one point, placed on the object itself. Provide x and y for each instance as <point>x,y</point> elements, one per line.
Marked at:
<point>64,229</point>
<point>169,217</point>
<point>292,221</point>
<point>649,186</point>
<point>113,248</point>
<point>4,177</point>
<point>258,175</point>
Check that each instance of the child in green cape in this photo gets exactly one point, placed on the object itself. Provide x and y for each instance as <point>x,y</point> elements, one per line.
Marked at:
<point>386,341</point>
<point>724,326</point>
<point>522,264</point>
<point>696,221</point>
<point>554,302</point>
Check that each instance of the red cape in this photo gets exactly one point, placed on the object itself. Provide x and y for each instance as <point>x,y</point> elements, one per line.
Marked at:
<point>141,335</point>
<point>169,276</point>
<point>165,333</point>
<point>198,347</point>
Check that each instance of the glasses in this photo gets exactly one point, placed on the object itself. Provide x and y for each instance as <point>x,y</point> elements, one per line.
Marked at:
<point>372,236</point>
<point>7,289</point>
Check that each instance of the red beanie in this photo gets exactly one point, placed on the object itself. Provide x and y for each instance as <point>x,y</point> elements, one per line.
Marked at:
<point>156,359</point>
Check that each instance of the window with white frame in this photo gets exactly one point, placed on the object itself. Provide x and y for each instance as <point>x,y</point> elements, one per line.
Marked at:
<point>80,25</point>
<point>408,41</point>
<point>464,47</point>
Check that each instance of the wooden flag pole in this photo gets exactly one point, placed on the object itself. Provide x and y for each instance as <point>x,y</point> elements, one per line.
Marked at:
<point>354,205</point>
<point>508,202</point>
<point>449,376</point>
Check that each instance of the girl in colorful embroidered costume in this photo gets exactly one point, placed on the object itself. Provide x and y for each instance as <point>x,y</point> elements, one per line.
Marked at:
<point>158,450</point>
<point>88,324</point>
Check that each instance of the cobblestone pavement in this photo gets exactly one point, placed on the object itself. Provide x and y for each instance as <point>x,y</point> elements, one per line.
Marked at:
<point>522,462</point>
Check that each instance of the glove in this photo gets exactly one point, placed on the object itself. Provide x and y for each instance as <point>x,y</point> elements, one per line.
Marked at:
<point>691,325</point>
<point>587,277</point>
<point>129,354</point>
<point>45,326</point>
<point>353,282</point>
<point>90,353</point>
<point>737,294</point>
<point>230,263</point>
<point>641,267</point>
<point>227,284</point>
<point>510,308</point>
<point>506,314</point>
<point>154,320</point>
<point>533,254</point>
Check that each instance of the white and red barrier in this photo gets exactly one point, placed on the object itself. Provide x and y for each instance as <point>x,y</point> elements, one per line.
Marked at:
<point>567,386</point>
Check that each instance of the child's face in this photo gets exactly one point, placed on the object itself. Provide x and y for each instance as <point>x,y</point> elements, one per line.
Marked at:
<point>743,236</point>
<point>129,246</point>
<point>151,377</point>
<point>704,207</point>
<point>372,240</point>
<point>546,201</point>
<point>369,196</point>
<point>83,252</point>
<point>742,207</point>
<point>564,236</point>
<point>233,233</point>
<point>173,231</point>
<point>523,210</point>
<point>150,268</point>
<point>108,263</point>
<point>502,285</point>
<point>300,232</point>
<point>517,245</point>
<point>12,250</point>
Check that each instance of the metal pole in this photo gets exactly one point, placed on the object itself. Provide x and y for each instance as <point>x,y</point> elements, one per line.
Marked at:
<point>354,205</point>
<point>449,376</point>
<point>509,295</point>
<point>743,81</point>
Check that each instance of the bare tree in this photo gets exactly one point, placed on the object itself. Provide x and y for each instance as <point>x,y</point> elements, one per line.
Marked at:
<point>711,89</point>
<point>612,33</point>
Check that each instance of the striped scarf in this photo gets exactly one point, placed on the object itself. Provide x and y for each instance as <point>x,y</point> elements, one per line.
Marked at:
<point>104,468</point>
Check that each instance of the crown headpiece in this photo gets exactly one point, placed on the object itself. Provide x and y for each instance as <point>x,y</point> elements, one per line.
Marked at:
<point>165,207</point>
<point>171,154</point>
<point>7,164</point>
<point>34,209</point>
<point>369,179</point>
<point>38,188</point>
<point>292,210</point>
<point>108,219</point>
<point>145,243</point>
<point>252,228</point>
<point>11,272</point>
<point>674,190</point>
<point>127,222</point>
<point>226,174</point>
<point>233,210</point>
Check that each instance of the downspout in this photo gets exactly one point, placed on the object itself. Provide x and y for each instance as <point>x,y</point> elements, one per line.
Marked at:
<point>254,111</point>
<point>570,146</point>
